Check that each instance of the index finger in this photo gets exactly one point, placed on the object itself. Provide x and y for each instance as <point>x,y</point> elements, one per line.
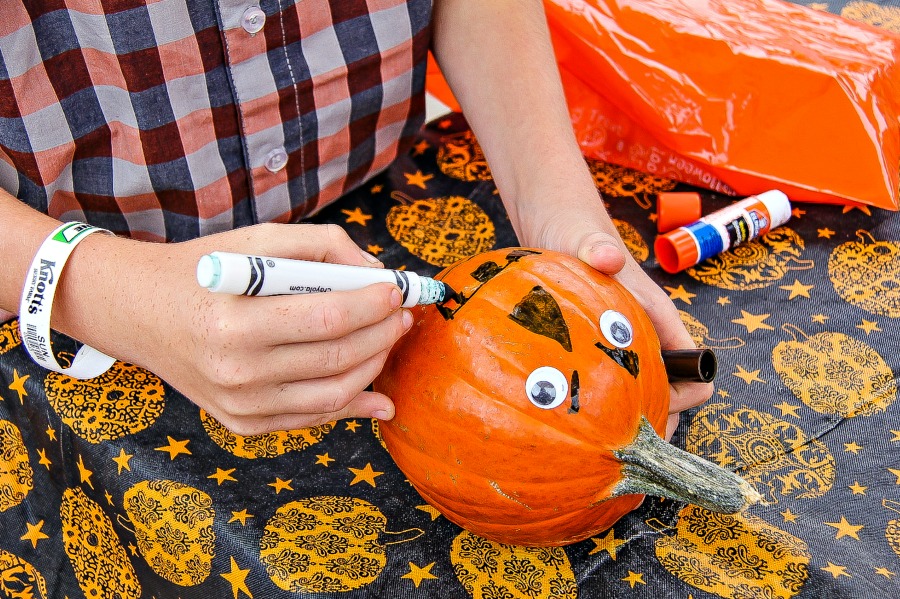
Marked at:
<point>674,335</point>
<point>286,319</point>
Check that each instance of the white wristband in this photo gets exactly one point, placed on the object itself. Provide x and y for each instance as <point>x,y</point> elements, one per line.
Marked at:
<point>37,302</point>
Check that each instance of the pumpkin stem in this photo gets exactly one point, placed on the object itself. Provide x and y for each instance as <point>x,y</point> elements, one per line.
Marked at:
<point>865,237</point>
<point>794,331</point>
<point>401,197</point>
<point>890,503</point>
<point>726,343</point>
<point>642,199</point>
<point>651,466</point>
<point>125,523</point>
<point>402,536</point>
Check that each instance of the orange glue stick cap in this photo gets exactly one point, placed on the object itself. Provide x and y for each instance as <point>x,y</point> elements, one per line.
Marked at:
<point>676,209</point>
<point>676,251</point>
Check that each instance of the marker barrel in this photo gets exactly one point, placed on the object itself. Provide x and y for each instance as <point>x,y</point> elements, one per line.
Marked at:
<point>240,274</point>
<point>690,365</point>
<point>722,230</point>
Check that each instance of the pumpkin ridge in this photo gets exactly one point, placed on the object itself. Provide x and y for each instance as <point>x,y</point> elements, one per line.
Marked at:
<point>600,522</point>
<point>502,480</point>
<point>525,409</point>
<point>442,467</point>
<point>522,408</point>
<point>439,498</point>
<point>589,284</point>
<point>498,443</point>
<point>548,516</point>
<point>578,311</point>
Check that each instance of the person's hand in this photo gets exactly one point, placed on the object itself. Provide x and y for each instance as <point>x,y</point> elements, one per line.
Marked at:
<point>257,364</point>
<point>580,227</point>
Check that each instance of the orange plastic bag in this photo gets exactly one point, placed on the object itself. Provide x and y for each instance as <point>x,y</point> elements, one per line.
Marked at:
<point>738,96</point>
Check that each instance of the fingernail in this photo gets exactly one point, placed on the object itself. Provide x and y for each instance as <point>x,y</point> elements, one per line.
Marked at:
<point>396,298</point>
<point>597,247</point>
<point>381,415</point>
<point>369,257</point>
<point>585,254</point>
<point>407,319</point>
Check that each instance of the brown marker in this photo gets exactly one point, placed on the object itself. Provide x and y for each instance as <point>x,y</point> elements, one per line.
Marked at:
<point>690,365</point>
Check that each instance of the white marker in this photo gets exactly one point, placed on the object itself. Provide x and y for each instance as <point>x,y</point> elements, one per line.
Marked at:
<point>240,274</point>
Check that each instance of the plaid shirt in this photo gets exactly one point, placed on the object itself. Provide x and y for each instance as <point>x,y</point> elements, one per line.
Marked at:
<point>172,119</point>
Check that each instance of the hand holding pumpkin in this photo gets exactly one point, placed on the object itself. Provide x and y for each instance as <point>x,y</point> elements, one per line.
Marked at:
<point>579,226</point>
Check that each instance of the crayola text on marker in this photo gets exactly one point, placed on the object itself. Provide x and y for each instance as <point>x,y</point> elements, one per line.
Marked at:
<point>722,230</point>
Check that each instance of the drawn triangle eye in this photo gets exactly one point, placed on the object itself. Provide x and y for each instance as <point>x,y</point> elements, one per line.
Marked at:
<point>539,313</point>
<point>486,271</point>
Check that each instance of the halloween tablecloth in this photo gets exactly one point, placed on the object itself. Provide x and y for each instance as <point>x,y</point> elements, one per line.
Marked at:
<point>120,488</point>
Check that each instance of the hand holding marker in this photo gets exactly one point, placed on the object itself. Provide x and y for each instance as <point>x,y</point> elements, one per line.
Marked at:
<point>240,274</point>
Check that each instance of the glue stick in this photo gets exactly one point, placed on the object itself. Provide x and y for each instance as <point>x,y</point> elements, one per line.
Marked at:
<point>722,230</point>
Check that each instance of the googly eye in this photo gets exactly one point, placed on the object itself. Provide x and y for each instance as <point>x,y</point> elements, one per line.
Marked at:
<point>546,387</point>
<point>616,328</point>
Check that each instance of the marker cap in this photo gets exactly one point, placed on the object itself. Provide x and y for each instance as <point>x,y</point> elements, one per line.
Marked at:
<point>211,266</point>
<point>208,271</point>
<point>676,209</point>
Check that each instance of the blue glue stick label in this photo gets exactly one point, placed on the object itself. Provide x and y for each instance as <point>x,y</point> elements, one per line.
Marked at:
<point>709,242</point>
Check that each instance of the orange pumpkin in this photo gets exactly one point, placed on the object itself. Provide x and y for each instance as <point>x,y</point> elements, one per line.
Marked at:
<point>525,403</point>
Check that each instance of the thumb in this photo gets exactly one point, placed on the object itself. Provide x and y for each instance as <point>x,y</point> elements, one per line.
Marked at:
<point>602,252</point>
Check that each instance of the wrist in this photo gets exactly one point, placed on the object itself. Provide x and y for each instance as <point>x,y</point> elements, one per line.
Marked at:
<point>563,213</point>
<point>103,293</point>
<point>37,301</point>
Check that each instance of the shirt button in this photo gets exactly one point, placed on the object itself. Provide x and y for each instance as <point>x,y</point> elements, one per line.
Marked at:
<point>276,160</point>
<point>253,20</point>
